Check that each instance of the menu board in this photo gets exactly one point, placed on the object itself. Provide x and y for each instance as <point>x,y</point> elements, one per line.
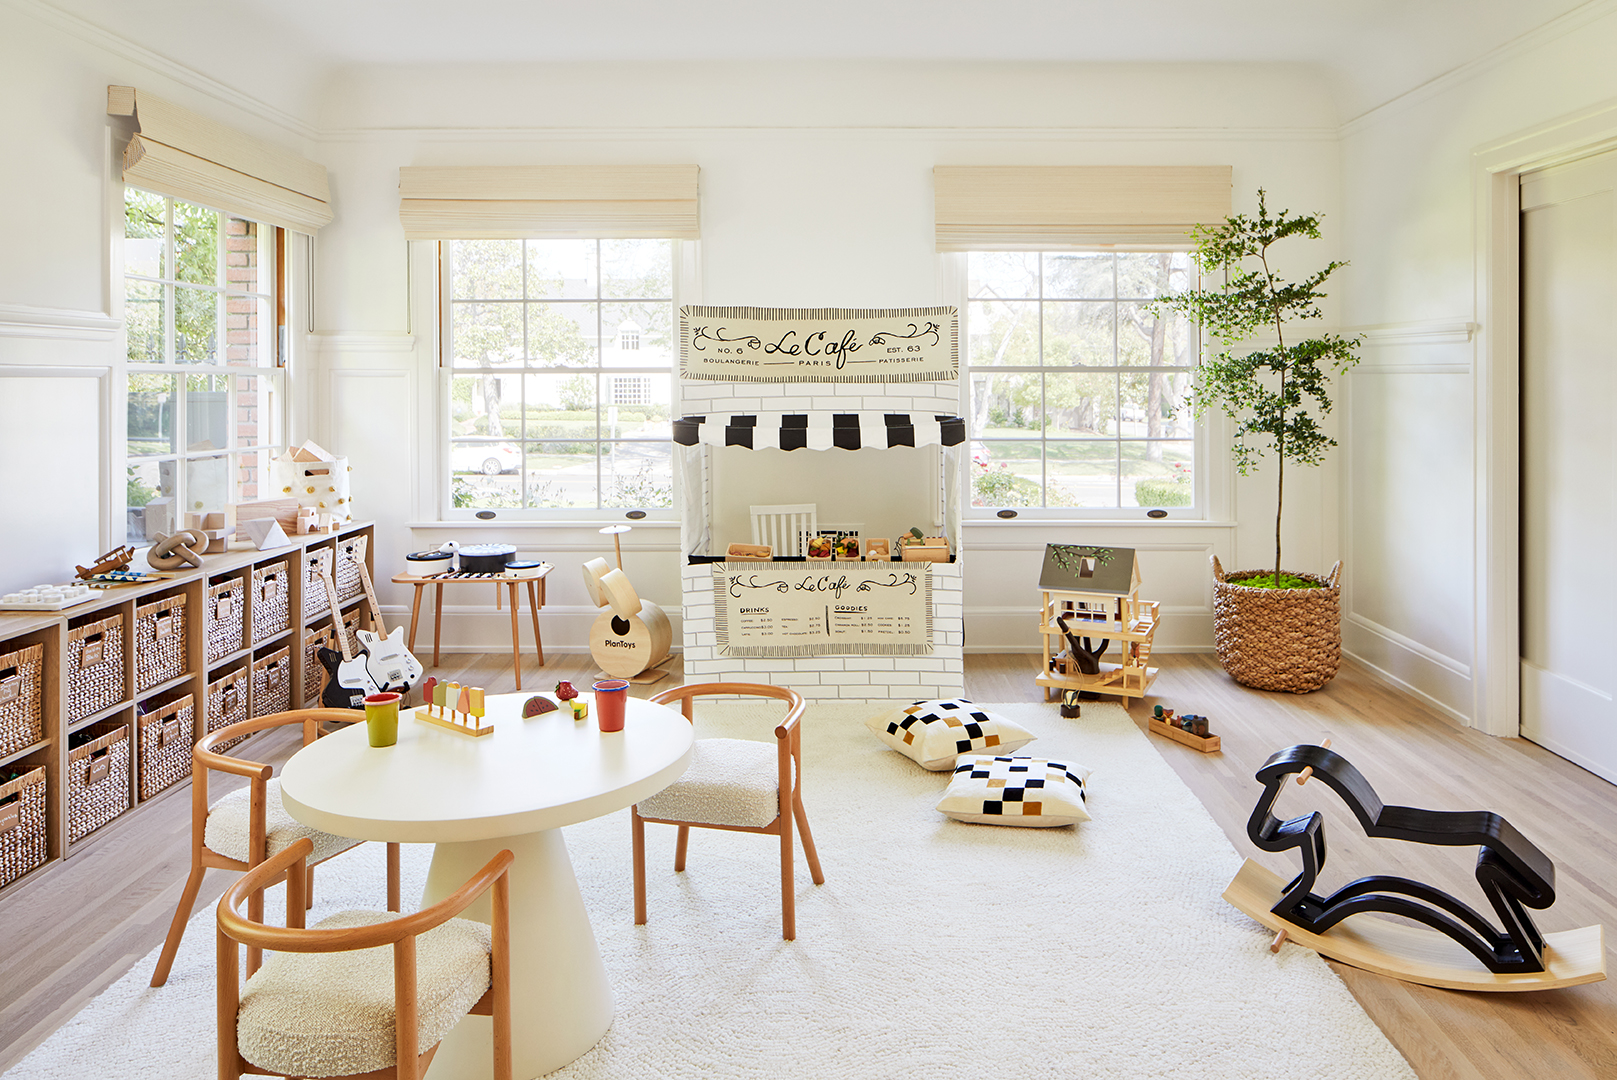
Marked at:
<point>823,609</point>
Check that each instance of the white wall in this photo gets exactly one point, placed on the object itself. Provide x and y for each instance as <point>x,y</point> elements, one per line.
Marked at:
<point>1411,204</point>
<point>815,191</point>
<point>61,364</point>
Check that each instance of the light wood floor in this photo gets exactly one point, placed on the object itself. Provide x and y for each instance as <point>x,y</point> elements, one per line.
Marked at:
<point>66,936</point>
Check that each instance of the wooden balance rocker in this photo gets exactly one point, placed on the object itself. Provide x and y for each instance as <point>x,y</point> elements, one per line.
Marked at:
<point>1454,946</point>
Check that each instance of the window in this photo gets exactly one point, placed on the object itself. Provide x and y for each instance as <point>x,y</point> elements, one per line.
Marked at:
<point>560,371</point>
<point>1079,394</point>
<point>204,390</point>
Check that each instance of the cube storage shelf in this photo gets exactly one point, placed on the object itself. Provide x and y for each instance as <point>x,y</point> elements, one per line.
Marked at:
<point>163,671</point>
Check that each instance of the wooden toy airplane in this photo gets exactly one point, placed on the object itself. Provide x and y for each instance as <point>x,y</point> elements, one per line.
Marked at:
<point>454,707</point>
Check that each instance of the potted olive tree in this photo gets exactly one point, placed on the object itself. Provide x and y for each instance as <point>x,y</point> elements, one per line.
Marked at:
<point>1274,630</point>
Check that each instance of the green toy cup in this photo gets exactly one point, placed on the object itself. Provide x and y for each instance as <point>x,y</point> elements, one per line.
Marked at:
<point>382,718</point>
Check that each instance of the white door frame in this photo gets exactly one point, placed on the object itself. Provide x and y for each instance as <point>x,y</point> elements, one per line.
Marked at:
<point>1496,169</point>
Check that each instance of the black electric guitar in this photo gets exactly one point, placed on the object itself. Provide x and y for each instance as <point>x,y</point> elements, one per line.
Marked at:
<point>348,681</point>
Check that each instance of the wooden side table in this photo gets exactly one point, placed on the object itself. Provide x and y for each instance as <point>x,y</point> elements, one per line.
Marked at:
<point>536,600</point>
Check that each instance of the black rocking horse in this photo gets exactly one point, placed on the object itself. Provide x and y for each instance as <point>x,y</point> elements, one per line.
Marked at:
<point>1512,872</point>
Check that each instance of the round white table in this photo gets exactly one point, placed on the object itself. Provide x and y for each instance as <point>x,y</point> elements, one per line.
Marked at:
<point>471,797</point>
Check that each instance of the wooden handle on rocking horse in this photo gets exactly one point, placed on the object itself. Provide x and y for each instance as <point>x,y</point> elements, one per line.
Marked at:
<point>1308,770</point>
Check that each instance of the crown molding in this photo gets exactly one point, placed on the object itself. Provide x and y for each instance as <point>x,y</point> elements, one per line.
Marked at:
<point>90,34</point>
<point>743,131</point>
<point>1558,27</point>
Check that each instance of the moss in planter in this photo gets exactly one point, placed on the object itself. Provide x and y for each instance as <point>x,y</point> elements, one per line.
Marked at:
<point>1287,581</point>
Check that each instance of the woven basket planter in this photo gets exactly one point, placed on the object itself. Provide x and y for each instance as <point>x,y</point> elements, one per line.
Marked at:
<point>1278,639</point>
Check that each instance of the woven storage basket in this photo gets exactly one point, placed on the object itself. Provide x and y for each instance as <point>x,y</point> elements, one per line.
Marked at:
<point>227,704</point>
<point>313,672</point>
<point>350,553</point>
<point>222,618</point>
<point>95,667</point>
<point>166,737</point>
<point>271,596</point>
<point>22,722</point>
<point>97,779</point>
<point>22,825</point>
<point>159,642</point>
<point>315,600</point>
<point>1278,639</point>
<point>272,683</point>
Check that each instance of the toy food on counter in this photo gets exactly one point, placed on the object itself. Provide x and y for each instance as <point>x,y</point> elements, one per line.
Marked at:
<point>848,547</point>
<point>537,705</point>
<point>819,547</point>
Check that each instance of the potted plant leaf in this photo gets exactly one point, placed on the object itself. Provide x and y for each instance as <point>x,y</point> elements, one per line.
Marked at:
<point>1274,630</point>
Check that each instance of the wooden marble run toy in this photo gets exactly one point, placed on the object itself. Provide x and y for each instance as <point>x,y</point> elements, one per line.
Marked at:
<point>1438,940</point>
<point>1186,728</point>
<point>453,706</point>
<point>1092,594</point>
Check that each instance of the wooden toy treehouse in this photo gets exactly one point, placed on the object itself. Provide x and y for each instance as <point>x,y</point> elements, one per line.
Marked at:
<point>1096,630</point>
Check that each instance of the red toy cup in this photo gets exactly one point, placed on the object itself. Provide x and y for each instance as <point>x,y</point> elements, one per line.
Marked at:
<point>610,698</point>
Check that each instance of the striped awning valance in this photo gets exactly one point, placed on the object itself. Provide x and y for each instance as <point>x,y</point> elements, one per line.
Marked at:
<point>820,431</point>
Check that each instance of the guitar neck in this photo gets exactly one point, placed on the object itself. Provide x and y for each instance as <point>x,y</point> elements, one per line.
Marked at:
<point>336,614</point>
<point>370,598</point>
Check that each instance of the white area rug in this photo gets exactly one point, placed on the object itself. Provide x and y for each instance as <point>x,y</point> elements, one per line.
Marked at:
<point>935,949</point>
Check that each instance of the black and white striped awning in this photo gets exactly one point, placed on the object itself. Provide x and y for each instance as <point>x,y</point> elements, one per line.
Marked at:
<point>820,431</point>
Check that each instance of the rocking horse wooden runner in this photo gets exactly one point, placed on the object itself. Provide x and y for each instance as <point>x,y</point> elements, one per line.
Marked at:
<point>1454,946</point>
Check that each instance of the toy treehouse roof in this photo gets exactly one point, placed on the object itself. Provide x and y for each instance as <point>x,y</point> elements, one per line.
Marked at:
<point>1076,568</point>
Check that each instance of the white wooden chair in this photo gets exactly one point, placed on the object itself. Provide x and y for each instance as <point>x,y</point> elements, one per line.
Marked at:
<point>785,528</point>
<point>737,785</point>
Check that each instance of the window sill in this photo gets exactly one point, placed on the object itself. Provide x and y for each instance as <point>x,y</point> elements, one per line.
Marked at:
<point>1095,523</point>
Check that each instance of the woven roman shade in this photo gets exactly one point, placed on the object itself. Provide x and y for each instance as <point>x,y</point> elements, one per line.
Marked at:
<point>1042,207</point>
<point>454,202</point>
<point>175,152</point>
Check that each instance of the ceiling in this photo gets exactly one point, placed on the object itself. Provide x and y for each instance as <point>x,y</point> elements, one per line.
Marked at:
<point>1371,51</point>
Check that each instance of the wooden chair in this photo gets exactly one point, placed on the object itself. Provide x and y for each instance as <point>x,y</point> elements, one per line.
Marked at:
<point>785,528</point>
<point>249,825</point>
<point>737,785</point>
<point>330,1001</point>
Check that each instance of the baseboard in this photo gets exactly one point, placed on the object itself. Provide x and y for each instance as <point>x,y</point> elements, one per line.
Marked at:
<point>1418,671</point>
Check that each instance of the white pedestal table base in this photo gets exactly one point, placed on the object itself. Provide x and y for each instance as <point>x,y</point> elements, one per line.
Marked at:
<point>561,1003</point>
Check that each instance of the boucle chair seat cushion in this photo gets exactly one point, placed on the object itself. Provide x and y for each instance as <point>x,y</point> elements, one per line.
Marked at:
<point>331,1014</point>
<point>729,782</point>
<point>229,819</point>
<point>1010,790</point>
<point>934,733</point>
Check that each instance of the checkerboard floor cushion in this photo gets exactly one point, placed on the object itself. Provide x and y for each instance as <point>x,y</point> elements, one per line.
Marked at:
<point>1009,790</point>
<point>934,733</point>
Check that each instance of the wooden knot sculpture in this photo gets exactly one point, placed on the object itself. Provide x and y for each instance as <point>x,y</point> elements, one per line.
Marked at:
<point>1085,656</point>
<point>1511,871</point>
<point>182,548</point>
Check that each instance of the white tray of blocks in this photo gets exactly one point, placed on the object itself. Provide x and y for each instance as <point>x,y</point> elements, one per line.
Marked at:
<point>46,598</point>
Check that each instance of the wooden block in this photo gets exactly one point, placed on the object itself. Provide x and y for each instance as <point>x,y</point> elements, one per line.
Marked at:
<point>1208,745</point>
<point>449,725</point>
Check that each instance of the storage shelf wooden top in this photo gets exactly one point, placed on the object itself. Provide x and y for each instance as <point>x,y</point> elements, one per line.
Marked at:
<point>16,624</point>
<point>242,554</point>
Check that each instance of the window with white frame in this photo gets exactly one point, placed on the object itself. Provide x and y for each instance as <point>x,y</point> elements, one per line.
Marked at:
<point>204,385</point>
<point>1079,392</point>
<point>559,366</point>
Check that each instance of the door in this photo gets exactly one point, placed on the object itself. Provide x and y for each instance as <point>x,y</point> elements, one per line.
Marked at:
<point>1568,465</point>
